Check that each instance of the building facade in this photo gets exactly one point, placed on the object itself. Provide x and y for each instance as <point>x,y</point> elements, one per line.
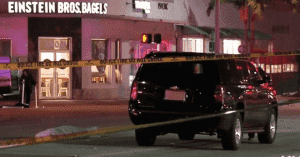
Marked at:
<point>183,25</point>
<point>39,37</point>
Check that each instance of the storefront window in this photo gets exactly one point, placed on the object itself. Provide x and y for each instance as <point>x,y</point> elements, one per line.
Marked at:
<point>5,47</point>
<point>289,68</point>
<point>231,46</point>
<point>274,68</point>
<point>279,68</point>
<point>284,68</point>
<point>292,68</point>
<point>262,66</point>
<point>100,74</point>
<point>267,68</point>
<point>118,68</point>
<point>192,45</point>
<point>5,55</point>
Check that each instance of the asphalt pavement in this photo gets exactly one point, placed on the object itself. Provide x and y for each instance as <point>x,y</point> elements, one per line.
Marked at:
<point>94,114</point>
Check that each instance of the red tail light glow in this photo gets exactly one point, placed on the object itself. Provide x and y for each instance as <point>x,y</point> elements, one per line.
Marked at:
<point>249,89</point>
<point>265,85</point>
<point>249,92</point>
<point>134,89</point>
<point>272,90</point>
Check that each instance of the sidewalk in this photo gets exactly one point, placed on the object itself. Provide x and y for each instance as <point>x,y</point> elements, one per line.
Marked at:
<point>82,103</point>
<point>67,103</point>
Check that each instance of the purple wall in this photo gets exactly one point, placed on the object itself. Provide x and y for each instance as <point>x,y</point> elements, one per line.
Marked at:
<point>16,29</point>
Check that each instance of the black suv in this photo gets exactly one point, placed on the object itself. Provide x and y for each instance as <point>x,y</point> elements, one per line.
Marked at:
<point>169,91</point>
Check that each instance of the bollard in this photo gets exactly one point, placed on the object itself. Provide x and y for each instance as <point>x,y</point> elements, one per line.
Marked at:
<point>36,106</point>
<point>23,90</point>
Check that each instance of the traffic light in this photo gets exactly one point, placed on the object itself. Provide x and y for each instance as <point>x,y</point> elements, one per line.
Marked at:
<point>146,38</point>
<point>157,38</point>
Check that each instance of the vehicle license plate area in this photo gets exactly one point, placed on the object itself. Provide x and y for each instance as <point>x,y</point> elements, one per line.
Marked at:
<point>177,95</point>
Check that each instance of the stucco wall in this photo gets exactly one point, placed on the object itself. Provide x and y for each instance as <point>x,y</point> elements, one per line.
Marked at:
<point>174,12</point>
<point>129,32</point>
<point>16,29</point>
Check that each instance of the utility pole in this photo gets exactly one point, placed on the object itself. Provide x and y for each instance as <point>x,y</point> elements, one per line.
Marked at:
<point>248,30</point>
<point>217,28</point>
<point>246,21</point>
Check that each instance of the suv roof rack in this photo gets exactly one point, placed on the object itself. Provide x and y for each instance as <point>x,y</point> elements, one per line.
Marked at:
<point>175,53</point>
<point>153,54</point>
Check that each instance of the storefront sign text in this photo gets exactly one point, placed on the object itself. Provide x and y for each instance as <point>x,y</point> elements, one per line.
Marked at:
<point>59,7</point>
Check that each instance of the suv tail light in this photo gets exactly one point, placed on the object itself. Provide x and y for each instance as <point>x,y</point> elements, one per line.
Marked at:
<point>219,93</point>
<point>134,90</point>
<point>249,89</point>
<point>272,90</point>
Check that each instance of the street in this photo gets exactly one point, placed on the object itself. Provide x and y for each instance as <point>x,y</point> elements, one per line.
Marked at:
<point>28,122</point>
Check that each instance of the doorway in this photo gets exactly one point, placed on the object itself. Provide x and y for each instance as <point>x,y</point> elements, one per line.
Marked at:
<point>54,83</point>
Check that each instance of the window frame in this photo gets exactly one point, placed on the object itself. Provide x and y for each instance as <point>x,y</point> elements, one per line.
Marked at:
<point>234,50</point>
<point>118,55</point>
<point>187,48</point>
<point>107,69</point>
<point>253,71</point>
<point>268,69</point>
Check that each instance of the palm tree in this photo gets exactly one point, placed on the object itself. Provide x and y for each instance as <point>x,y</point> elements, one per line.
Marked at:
<point>254,8</point>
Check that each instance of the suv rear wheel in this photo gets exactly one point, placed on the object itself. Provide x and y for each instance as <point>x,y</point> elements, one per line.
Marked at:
<point>145,137</point>
<point>270,130</point>
<point>231,140</point>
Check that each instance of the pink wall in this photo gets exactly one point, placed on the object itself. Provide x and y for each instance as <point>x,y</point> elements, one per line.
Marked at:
<point>121,29</point>
<point>175,11</point>
<point>127,32</point>
<point>17,30</point>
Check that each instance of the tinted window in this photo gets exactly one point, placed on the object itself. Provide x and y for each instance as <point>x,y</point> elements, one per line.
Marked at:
<point>227,72</point>
<point>185,72</point>
<point>253,71</point>
<point>261,71</point>
<point>243,70</point>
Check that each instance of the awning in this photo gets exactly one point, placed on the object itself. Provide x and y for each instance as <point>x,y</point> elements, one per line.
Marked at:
<point>224,32</point>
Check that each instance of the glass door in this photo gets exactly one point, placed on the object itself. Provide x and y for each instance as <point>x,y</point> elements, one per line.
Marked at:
<point>46,84</point>
<point>62,76</point>
<point>54,83</point>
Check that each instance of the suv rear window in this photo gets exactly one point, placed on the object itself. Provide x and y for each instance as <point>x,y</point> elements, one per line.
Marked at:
<point>181,71</point>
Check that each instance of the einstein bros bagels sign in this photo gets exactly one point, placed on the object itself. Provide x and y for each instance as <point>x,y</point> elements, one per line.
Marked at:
<point>57,7</point>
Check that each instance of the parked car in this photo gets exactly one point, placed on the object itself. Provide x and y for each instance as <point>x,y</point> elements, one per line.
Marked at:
<point>170,91</point>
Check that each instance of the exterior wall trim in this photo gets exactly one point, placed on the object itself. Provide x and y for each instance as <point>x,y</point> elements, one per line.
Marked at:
<point>92,16</point>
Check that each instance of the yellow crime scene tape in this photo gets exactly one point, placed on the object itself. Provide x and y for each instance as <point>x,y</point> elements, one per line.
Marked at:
<point>110,130</point>
<point>63,64</point>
